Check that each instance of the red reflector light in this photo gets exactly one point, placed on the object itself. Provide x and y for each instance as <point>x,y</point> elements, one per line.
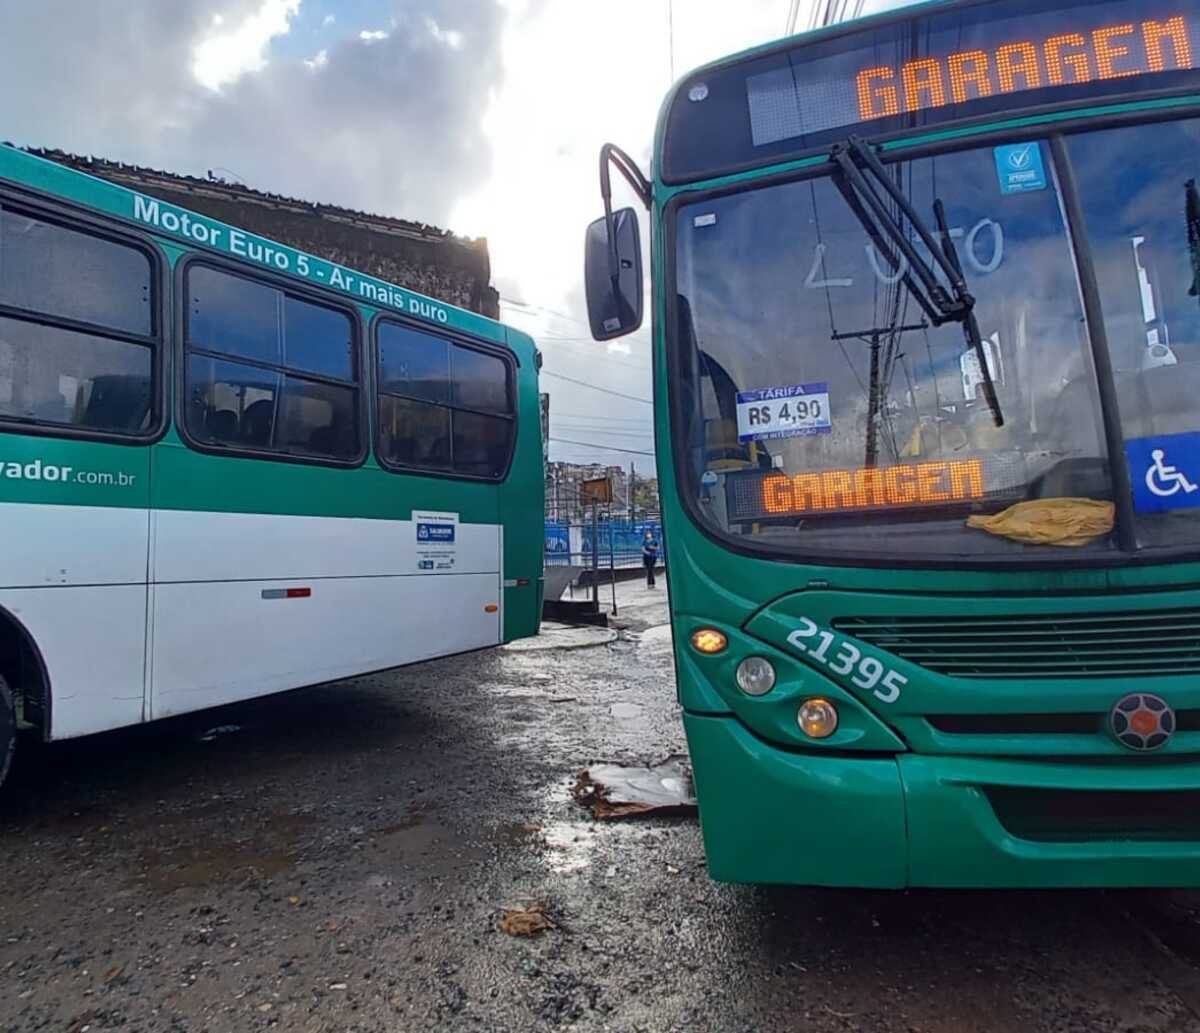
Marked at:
<point>299,593</point>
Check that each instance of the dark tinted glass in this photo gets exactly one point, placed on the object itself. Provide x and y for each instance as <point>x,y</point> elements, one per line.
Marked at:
<point>413,364</point>
<point>317,339</point>
<point>231,404</point>
<point>317,419</point>
<point>480,381</point>
<point>414,433</point>
<point>61,272</point>
<point>59,376</point>
<point>233,315</point>
<point>480,444</point>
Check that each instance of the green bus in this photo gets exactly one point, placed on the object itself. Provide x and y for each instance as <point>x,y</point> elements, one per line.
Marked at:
<point>229,469</point>
<point>927,379</point>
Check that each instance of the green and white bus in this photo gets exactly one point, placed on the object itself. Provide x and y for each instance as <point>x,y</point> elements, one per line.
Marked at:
<point>927,356</point>
<point>229,469</point>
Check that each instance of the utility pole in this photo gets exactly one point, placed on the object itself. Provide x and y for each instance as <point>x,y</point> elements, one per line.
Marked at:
<point>632,491</point>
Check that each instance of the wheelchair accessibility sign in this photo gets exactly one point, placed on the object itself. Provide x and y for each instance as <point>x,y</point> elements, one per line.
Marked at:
<point>1165,472</point>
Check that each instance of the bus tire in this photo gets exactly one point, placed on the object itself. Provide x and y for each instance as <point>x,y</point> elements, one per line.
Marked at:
<point>8,729</point>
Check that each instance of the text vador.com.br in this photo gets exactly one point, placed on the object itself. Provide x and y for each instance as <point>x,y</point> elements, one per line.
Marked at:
<point>55,474</point>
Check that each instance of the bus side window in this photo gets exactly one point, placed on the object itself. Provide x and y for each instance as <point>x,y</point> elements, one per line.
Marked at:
<point>443,406</point>
<point>268,371</point>
<point>97,374</point>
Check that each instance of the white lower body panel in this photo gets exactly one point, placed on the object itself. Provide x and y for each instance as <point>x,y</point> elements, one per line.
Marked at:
<point>197,630</point>
<point>221,642</point>
<point>93,642</point>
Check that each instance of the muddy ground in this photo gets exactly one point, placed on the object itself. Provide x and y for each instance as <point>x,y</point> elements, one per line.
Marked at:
<point>336,859</point>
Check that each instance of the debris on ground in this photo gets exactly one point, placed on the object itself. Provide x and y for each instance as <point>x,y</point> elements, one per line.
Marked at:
<point>525,921</point>
<point>213,733</point>
<point>613,791</point>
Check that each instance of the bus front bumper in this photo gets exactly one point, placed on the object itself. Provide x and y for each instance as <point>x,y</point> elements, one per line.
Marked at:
<point>771,816</point>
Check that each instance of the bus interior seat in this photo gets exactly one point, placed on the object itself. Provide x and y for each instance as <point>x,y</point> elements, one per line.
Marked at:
<point>329,439</point>
<point>256,423</point>
<point>1159,401</point>
<point>221,424</point>
<point>1152,402</point>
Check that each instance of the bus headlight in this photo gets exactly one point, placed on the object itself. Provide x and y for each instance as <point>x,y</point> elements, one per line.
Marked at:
<point>818,718</point>
<point>755,676</point>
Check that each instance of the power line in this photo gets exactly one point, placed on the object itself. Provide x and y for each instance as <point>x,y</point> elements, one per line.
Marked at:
<point>671,34</point>
<point>792,18</point>
<point>593,387</point>
<point>638,435</point>
<point>575,418</point>
<point>600,448</point>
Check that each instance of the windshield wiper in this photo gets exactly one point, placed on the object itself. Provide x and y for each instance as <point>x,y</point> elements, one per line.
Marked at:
<point>855,159</point>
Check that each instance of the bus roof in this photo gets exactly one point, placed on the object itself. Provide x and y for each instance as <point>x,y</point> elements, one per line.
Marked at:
<point>172,222</point>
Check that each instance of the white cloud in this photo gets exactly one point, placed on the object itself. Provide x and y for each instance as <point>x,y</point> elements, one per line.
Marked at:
<point>319,60</point>
<point>372,35</point>
<point>576,76</point>
<point>450,37</point>
<point>328,20</point>
<point>228,54</point>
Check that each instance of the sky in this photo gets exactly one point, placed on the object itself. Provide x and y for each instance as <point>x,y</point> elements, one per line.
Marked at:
<point>484,117</point>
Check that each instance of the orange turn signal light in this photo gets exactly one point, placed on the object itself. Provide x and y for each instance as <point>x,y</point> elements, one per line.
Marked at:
<point>709,641</point>
<point>818,718</point>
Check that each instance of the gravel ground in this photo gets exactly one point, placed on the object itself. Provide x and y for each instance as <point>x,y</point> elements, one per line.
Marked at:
<point>337,859</point>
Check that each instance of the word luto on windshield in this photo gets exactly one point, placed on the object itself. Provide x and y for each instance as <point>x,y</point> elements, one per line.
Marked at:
<point>1069,58</point>
<point>840,491</point>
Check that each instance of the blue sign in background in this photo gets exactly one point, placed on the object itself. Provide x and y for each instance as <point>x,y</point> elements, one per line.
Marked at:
<point>1021,168</point>
<point>1165,472</point>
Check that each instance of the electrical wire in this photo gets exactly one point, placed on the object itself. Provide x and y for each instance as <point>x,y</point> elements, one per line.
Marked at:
<point>601,448</point>
<point>792,18</point>
<point>593,387</point>
<point>671,35</point>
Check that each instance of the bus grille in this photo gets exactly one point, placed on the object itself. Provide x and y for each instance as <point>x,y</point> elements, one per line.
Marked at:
<point>1066,816</point>
<point>1107,645</point>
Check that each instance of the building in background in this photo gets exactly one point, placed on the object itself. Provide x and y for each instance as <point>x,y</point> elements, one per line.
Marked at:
<point>563,502</point>
<point>422,258</point>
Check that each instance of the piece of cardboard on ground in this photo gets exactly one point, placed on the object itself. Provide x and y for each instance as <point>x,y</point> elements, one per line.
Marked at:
<point>613,791</point>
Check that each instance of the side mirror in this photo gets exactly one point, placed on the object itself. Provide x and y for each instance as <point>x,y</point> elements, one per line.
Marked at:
<point>613,275</point>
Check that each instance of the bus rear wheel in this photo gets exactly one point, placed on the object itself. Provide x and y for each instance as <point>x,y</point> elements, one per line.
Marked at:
<point>8,729</point>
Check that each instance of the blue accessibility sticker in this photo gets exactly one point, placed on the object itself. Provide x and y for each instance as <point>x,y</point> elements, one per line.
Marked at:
<point>1165,472</point>
<point>440,533</point>
<point>1022,168</point>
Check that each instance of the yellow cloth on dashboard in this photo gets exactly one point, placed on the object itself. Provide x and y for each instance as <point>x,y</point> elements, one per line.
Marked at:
<point>1070,522</point>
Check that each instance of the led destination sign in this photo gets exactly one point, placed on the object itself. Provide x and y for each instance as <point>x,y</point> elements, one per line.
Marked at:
<point>966,55</point>
<point>764,496</point>
<point>1112,52</point>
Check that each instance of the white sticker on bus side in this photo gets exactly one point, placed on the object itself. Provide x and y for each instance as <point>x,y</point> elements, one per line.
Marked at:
<point>866,672</point>
<point>437,541</point>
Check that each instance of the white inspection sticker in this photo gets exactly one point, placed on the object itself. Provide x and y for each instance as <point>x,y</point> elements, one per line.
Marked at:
<point>784,412</point>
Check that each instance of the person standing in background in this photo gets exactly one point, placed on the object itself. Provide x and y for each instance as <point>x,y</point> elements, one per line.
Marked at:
<point>649,556</point>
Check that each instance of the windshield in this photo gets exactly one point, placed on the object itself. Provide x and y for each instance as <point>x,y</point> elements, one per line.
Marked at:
<point>1142,211</point>
<point>821,411</point>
